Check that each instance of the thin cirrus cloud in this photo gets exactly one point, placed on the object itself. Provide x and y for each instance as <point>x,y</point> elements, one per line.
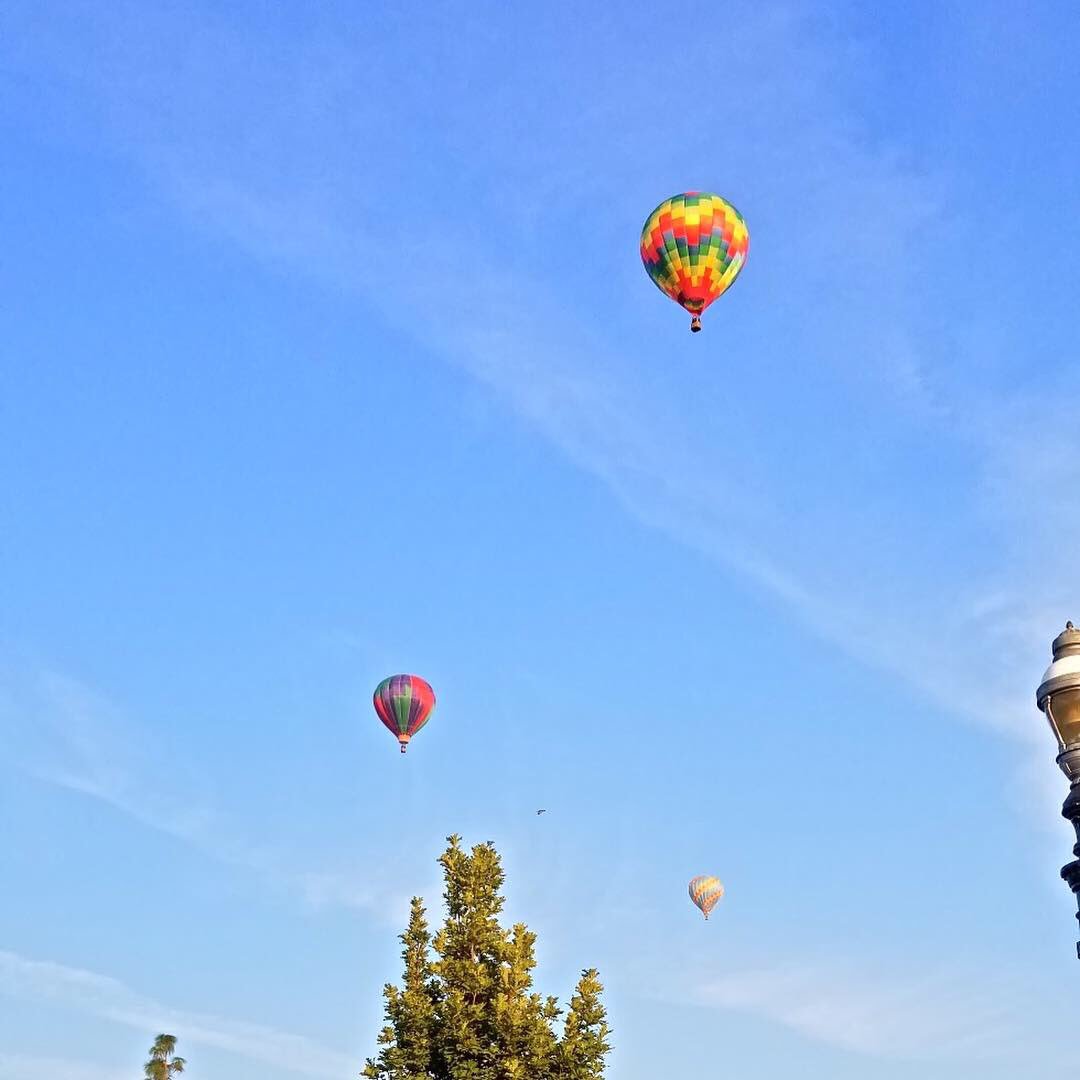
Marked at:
<point>971,650</point>
<point>928,1017</point>
<point>965,621</point>
<point>35,1067</point>
<point>64,734</point>
<point>963,624</point>
<point>102,996</point>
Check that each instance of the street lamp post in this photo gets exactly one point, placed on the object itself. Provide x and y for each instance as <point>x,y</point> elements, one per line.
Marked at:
<point>1059,697</point>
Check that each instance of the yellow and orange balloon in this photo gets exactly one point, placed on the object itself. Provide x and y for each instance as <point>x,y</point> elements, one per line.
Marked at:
<point>693,247</point>
<point>705,892</point>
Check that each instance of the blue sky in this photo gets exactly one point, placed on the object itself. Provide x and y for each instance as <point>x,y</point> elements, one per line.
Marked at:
<point>327,353</point>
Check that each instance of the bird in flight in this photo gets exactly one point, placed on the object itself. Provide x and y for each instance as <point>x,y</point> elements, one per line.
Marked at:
<point>539,812</point>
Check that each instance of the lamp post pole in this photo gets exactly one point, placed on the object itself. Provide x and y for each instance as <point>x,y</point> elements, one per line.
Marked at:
<point>1058,697</point>
<point>1071,871</point>
<point>1070,810</point>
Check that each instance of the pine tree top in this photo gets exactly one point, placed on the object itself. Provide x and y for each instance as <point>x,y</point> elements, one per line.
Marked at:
<point>466,1009</point>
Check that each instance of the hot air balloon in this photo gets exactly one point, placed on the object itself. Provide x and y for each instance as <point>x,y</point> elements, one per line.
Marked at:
<point>705,891</point>
<point>693,247</point>
<point>404,703</point>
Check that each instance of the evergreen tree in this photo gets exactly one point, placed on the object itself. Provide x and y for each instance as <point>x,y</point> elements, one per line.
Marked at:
<point>584,1043</point>
<point>406,1040</point>
<point>471,1013</point>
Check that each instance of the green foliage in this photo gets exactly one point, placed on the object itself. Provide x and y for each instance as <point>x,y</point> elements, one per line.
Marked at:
<point>584,1042</point>
<point>469,1012</point>
<point>163,1063</point>
<point>406,1040</point>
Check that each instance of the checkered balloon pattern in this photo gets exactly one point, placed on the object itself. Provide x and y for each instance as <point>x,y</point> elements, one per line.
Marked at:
<point>693,247</point>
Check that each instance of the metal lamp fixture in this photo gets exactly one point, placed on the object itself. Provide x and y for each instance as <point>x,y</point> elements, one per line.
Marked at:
<point>1058,697</point>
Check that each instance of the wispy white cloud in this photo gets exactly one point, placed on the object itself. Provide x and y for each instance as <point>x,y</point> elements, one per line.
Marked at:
<point>63,733</point>
<point>970,645</point>
<point>920,1018</point>
<point>951,587</point>
<point>964,622</point>
<point>107,998</point>
<point>33,1067</point>
<point>302,190</point>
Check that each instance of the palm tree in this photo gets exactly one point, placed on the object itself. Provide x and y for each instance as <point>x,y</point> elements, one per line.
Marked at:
<point>163,1063</point>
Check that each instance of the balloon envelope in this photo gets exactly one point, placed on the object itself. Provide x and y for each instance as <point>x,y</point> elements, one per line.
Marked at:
<point>404,703</point>
<point>693,247</point>
<point>705,891</point>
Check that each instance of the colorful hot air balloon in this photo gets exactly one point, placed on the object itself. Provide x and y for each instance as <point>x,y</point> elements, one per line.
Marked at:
<point>404,703</point>
<point>705,891</point>
<point>693,247</point>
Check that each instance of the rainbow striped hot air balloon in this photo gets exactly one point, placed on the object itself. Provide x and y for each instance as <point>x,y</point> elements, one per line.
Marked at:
<point>693,247</point>
<point>404,704</point>
<point>705,891</point>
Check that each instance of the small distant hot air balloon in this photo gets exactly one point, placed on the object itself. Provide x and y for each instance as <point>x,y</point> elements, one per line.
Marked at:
<point>705,891</point>
<point>404,704</point>
<point>693,247</point>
